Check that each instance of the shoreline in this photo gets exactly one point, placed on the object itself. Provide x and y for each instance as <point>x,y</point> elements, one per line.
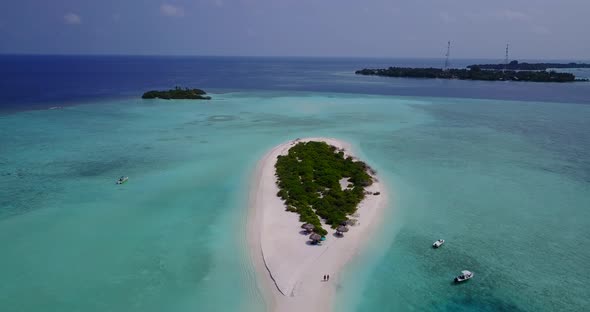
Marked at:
<point>289,271</point>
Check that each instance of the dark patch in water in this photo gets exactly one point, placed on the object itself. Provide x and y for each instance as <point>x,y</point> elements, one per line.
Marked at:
<point>167,139</point>
<point>478,303</point>
<point>279,121</point>
<point>554,128</point>
<point>24,192</point>
<point>193,122</point>
<point>93,167</point>
<point>97,168</point>
<point>35,185</point>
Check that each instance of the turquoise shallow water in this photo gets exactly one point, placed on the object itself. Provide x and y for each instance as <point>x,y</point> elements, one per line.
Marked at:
<point>507,184</point>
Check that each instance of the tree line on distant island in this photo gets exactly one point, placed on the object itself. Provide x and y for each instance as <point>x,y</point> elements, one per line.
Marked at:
<point>309,183</point>
<point>177,94</point>
<point>515,65</point>
<point>474,73</point>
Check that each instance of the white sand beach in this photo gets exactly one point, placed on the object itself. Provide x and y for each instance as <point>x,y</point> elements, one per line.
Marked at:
<point>289,270</point>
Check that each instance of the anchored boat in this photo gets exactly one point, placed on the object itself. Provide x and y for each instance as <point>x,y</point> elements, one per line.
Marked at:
<point>438,243</point>
<point>465,275</point>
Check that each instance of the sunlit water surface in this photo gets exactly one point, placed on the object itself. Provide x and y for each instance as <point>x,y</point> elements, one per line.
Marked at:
<point>507,184</point>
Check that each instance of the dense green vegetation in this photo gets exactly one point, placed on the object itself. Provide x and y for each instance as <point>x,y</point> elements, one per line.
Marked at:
<point>177,94</point>
<point>475,73</point>
<point>515,65</point>
<point>308,179</point>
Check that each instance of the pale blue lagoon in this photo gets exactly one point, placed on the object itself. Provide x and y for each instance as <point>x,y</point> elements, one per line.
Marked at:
<point>506,183</point>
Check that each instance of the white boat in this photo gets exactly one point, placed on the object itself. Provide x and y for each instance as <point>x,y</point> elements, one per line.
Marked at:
<point>122,180</point>
<point>438,243</point>
<point>465,275</point>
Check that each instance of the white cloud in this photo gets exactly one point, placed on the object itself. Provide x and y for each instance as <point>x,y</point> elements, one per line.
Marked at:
<point>541,30</point>
<point>514,15</point>
<point>171,10</point>
<point>72,19</point>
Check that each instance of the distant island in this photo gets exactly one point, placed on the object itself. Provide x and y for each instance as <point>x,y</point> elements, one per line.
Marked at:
<point>177,94</point>
<point>473,73</point>
<point>515,65</point>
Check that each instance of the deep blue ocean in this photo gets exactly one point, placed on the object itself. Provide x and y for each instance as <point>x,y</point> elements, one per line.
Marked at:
<point>28,81</point>
<point>500,170</point>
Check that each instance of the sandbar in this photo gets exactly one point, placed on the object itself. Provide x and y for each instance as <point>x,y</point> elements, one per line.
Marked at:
<point>289,270</point>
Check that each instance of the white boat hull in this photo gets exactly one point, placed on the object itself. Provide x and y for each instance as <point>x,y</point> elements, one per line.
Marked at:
<point>438,243</point>
<point>464,277</point>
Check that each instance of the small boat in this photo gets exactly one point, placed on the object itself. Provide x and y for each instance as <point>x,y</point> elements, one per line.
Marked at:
<point>465,275</point>
<point>122,180</point>
<point>438,243</point>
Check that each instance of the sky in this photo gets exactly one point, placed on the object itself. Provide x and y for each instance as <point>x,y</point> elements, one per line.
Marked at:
<point>535,29</point>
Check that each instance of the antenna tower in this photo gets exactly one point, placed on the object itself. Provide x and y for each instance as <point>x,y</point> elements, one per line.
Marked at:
<point>448,55</point>
<point>506,58</point>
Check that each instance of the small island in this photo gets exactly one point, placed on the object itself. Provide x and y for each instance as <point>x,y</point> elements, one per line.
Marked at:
<point>473,73</point>
<point>317,181</point>
<point>515,65</point>
<point>177,94</point>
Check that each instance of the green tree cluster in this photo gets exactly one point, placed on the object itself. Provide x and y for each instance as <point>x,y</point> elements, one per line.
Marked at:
<point>515,65</point>
<point>308,180</point>
<point>474,73</point>
<point>177,94</point>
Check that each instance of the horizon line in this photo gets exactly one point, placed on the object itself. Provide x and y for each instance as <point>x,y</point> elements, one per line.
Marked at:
<point>274,56</point>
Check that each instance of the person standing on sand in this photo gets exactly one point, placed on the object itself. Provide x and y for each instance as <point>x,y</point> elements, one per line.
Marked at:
<point>324,277</point>
<point>328,277</point>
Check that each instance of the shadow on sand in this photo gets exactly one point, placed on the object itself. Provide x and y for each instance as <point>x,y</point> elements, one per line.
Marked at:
<point>335,234</point>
